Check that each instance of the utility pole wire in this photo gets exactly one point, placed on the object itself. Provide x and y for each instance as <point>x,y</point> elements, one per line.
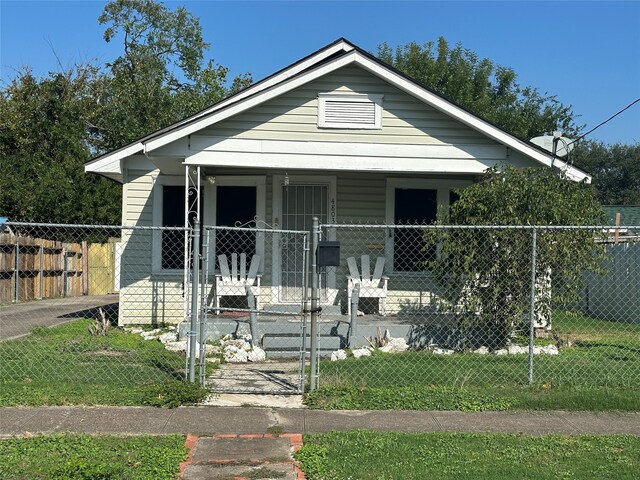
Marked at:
<point>607,120</point>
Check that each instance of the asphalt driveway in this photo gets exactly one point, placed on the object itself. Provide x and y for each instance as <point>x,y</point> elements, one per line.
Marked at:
<point>19,319</point>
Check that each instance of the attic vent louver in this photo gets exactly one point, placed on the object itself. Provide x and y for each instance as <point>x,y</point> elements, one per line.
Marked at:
<point>354,111</point>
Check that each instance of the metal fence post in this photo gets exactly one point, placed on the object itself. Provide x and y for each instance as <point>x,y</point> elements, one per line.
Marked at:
<point>314,306</point>
<point>305,311</point>
<point>16,293</point>
<point>532,305</point>
<point>195,274</point>
<point>203,305</point>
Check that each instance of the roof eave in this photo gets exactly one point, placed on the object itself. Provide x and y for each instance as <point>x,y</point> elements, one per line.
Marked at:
<point>322,62</point>
<point>301,65</point>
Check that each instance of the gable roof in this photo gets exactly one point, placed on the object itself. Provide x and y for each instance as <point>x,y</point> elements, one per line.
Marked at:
<point>326,60</point>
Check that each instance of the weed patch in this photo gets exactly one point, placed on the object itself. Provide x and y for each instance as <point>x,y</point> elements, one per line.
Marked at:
<point>408,398</point>
<point>173,394</point>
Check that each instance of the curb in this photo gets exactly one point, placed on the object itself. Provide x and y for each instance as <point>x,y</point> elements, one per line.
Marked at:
<point>295,442</point>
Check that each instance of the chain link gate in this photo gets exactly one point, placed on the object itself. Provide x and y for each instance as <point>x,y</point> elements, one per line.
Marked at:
<point>253,295</point>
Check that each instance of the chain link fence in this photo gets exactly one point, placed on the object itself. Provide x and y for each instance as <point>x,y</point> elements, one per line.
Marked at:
<point>64,290</point>
<point>99,307</point>
<point>435,305</point>
<point>108,305</point>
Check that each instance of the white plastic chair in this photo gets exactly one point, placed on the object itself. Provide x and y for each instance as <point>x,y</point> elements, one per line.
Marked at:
<point>371,286</point>
<point>233,282</point>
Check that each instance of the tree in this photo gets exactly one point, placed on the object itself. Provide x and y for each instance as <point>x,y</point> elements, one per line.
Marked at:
<point>487,271</point>
<point>50,126</point>
<point>43,145</point>
<point>615,170</point>
<point>161,77</point>
<point>486,89</point>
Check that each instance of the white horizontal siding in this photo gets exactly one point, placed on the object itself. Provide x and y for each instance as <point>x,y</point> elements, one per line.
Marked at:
<point>293,116</point>
<point>138,209</point>
<point>361,198</point>
<point>150,301</point>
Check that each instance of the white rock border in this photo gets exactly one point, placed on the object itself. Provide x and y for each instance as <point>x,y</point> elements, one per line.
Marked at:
<point>234,349</point>
<point>398,345</point>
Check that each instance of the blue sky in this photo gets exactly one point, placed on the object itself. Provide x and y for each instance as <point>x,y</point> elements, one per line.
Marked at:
<point>586,53</point>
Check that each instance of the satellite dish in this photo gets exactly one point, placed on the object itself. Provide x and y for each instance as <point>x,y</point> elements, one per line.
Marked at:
<point>564,145</point>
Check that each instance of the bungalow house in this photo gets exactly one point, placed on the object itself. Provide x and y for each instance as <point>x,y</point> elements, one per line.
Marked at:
<point>339,135</point>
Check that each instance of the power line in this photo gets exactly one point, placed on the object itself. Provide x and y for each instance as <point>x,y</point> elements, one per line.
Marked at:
<point>606,121</point>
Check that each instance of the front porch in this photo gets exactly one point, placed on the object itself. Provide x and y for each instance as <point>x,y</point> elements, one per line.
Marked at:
<point>280,335</point>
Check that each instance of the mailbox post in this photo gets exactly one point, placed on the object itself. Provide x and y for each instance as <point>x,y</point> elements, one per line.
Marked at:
<point>324,254</point>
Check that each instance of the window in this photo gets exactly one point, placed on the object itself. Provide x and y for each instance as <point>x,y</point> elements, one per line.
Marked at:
<point>413,206</point>
<point>349,110</point>
<point>412,201</point>
<point>172,257</point>
<point>453,197</point>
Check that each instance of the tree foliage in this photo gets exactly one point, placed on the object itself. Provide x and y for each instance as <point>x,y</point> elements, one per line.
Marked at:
<point>50,126</point>
<point>615,170</point>
<point>488,271</point>
<point>43,145</point>
<point>161,76</point>
<point>486,89</point>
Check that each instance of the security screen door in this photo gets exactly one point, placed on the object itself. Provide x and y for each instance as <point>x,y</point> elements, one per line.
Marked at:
<point>300,203</point>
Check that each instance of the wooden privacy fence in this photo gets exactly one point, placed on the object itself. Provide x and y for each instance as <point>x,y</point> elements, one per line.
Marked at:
<point>34,268</point>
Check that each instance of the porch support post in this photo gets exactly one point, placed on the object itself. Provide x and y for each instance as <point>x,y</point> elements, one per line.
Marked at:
<point>185,273</point>
<point>193,329</point>
<point>532,306</point>
<point>313,366</point>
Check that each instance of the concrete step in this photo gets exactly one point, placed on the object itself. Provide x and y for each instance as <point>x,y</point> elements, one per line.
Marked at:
<point>291,342</point>
<point>295,309</point>
<point>241,456</point>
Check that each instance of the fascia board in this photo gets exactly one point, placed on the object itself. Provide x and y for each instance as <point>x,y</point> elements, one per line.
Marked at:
<point>264,85</point>
<point>249,91</point>
<point>323,162</point>
<point>251,102</point>
<point>465,117</point>
<point>112,163</point>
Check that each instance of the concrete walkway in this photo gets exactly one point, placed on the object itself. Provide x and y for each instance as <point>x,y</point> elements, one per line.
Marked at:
<point>19,319</point>
<point>207,420</point>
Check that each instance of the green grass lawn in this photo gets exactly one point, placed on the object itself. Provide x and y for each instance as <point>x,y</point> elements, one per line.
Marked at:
<point>66,365</point>
<point>58,457</point>
<point>599,371</point>
<point>361,455</point>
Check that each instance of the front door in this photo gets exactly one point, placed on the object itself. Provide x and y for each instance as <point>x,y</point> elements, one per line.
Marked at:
<point>300,203</point>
